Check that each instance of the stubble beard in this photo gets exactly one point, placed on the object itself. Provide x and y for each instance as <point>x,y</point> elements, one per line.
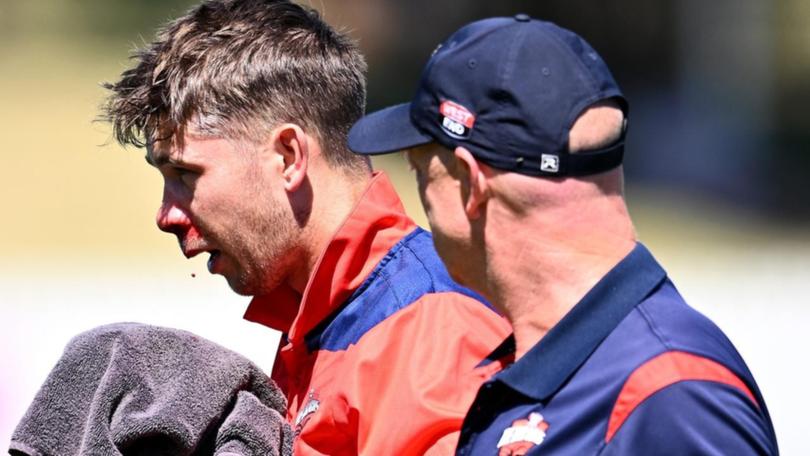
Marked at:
<point>267,254</point>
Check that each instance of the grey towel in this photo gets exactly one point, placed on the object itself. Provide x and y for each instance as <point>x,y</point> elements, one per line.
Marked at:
<point>133,389</point>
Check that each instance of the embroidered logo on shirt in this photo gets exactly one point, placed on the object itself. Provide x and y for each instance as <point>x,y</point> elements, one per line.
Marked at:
<point>307,411</point>
<point>522,436</point>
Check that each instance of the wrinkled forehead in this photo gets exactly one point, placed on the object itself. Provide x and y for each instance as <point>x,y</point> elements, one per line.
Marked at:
<point>173,145</point>
<point>167,134</point>
<point>160,148</point>
<point>189,146</point>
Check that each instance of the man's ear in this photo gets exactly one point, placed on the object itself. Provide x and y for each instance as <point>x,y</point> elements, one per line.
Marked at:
<point>470,170</point>
<point>293,146</point>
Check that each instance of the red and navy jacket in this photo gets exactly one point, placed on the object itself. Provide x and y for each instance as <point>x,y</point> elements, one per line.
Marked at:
<point>630,370</point>
<point>379,355</point>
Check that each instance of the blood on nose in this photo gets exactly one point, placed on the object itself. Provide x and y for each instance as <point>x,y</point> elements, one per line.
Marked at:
<point>172,219</point>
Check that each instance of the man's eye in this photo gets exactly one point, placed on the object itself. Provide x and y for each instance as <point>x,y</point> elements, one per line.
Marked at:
<point>187,176</point>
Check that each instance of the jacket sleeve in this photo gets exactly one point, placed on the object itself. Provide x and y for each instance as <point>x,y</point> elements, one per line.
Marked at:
<point>694,417</point>
<point>418,370</point>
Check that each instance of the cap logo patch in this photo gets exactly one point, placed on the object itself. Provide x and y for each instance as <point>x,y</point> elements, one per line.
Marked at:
<point>550,163</point>
<point>456,120</point>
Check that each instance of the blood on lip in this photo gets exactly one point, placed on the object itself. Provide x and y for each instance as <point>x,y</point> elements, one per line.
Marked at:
<point>192,249</point>
<point>191,242</point>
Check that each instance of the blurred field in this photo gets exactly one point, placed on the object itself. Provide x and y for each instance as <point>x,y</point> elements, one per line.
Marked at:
<point>80,247</point>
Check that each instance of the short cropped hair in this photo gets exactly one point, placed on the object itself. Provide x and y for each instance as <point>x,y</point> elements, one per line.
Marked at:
<point>238,68</point>
<point>599,125</point>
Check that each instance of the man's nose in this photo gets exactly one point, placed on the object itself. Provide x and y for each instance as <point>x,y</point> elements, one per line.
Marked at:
<point>172,219</point>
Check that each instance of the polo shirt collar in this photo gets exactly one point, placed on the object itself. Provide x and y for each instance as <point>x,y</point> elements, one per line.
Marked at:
<point>377,222</point>
<point>545,367</point>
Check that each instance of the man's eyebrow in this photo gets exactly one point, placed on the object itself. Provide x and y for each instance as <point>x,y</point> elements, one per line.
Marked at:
<point>158,161</point>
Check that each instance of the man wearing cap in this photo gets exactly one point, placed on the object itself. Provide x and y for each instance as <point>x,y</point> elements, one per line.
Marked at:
<point>516,138</point>
<point>244,107</point>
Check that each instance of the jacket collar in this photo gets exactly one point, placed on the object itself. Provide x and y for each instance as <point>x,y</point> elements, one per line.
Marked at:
<point>545,367</point>
<point>376,224</point>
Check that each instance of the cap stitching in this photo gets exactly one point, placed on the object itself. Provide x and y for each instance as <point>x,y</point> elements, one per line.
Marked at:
<point>588,80</point>
<point>510,58</point>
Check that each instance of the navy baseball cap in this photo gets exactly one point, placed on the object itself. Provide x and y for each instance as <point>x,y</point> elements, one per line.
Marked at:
<point>508,89</point>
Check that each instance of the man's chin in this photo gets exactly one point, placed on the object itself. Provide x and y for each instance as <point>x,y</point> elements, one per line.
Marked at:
<point>249,286</point>
<point>240,286</point>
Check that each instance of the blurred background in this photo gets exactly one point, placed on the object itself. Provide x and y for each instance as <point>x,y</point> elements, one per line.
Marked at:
<point>718,171</point>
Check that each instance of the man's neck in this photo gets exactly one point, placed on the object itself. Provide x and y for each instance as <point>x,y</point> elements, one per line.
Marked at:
<point>333,199</point>
<point>537,278</point>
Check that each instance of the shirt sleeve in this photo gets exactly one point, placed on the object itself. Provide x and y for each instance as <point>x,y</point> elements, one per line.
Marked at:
<point>420,374</point>
<point>694,417</point>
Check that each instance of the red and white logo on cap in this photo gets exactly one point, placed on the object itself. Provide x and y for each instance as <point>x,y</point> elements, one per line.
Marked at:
<point>456,120</point>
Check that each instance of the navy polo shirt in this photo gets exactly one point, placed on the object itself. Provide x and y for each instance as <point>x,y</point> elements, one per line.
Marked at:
<point>631,369</point>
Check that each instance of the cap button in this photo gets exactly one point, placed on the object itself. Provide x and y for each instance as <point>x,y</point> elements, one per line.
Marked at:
<point>522,17</point>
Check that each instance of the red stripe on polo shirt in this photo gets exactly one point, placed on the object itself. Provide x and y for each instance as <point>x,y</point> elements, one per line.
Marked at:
<point>662,371</point>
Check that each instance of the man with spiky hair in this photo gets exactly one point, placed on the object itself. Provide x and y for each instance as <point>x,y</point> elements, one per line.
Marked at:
<point>244,108</point>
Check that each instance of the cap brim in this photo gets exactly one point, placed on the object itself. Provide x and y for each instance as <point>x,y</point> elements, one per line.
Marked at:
<point>385,131</point>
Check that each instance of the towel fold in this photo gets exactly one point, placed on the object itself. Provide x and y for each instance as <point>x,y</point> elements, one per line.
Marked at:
<point>133,389</point>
